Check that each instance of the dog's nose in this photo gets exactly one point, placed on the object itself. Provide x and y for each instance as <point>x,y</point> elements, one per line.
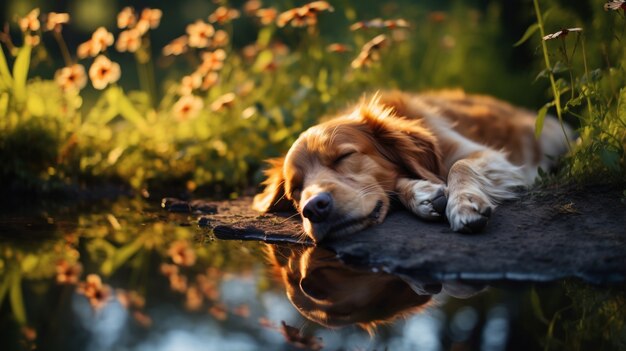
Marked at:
<point>318,207</point>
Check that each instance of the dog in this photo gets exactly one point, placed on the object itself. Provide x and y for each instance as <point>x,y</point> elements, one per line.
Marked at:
<point>443,155</point>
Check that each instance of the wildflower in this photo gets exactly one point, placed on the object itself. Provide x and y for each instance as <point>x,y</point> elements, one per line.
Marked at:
<point>71,78</point>
<point>126,18</point>
<point>86,49</point>
<point>176,47</point>
<point>219,312</point>
<point>336,47</point>
<point>54,21</point>
<point>209,81</point>
<point>150,19</point>
<point>223,101</point>
<point>168,269</point>
<point>200,34</point>
<point>32,39</point>
<point>207,287</point>
<point>266,16</point>
<point>142,319</point>
<point>303,16</point>
<point>30,22</point>
<point>369,53</point>
<point>249,52</point>
<point>190,83</point>
<point>193,299</point>
<point>380,23</point>
<point>97,293</point>
<point>68,273</point>
<point>223,14</point>
<point>180,252</point>
<point>562,33</point>
<point>437,16</point>
<point>130,299</point>
<point>102,38</point>
<point>251,7</point>
<point>103,72</point>
<point>615,5</point>
<point>128,40</point>
<point>187,107</point>
<point>220,38</point>
<point>212,61</point>
<point>178,283</point>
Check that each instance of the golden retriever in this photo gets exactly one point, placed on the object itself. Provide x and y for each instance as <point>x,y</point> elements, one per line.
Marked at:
<point>444,155</point>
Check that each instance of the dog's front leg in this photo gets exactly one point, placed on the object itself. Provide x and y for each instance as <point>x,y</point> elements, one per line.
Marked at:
<point>476,184</point>
<point>424,198</point>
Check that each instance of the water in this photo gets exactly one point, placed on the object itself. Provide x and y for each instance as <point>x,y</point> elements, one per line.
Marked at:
<point>127,275</point>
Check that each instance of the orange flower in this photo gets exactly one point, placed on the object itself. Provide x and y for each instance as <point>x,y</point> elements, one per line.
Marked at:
<point>209,81</point>
<point>68,273</point>
<point>168,269</point>
<point>200,34</point>
<point>379,23</point>
<point>55,20</point>
<point>72,78</point>
<point>150,19</point>
<point>220,39</point>
<point>223,101</point>
<point>87,49</point>
<point>128,40</point>
<point>266,16</point>
<point>218,312</point>
<point>189,83</point>
<point>143,319</point>
<point>298,17</point>
<point>370,52</point>
<point>208,287</point>
<point>97,293</point>
<point>102,38</point>
<point>336,47</point>
<point>130,299</point>
<point>317,6</point>
<point>242,311</point>
<point>103,72</point>
<point>178,283</point>
<point>250,51</point>
<point>223,14</point>
<point>32,40</point>
<point>212,61</point>
<point>193,299</point>
<point>30,22</point>
<point>187,107</point>
<point>180,252</point>
<point>251,7</point>
<point>126,18</point>
<point>176,47</point>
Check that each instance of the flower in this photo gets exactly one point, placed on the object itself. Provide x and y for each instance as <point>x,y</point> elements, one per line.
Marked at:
<point>219,312</point>
<point>128,40</point>
<point>168,269</point>
<point>251,7</point>
<point>193,298</point>
<point>379,23</point>
<point>32,39</point>
<point>209,81</point>
<point>369,53</point>
<point>562,33</point>
<point>615,5</point>
<point>223,101</point>
<point>220,38</point>
<point>68,273</point>
<point>126,18</point>
<point>150,19</point>
<point>97,293</point>
<point>87,49</point>
<point>187,107</point>
<point>102,38</point>
<point>176,47</point>
<point>54,21</point>
<point>189,83</point>
<point>103,72</point>
<point>212,61</point>
<point>266,16</point>
<point>180,252</point>
<point>30,22</point>
<point>71,78</point>
<point>200,34</point>
<point>336,47</point>
<point>303,16</point>
<point>223,14</point>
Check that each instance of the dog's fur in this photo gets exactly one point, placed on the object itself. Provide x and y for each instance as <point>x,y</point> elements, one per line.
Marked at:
<point>443,154</point>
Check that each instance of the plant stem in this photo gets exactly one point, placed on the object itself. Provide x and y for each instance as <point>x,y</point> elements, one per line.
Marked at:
<point>63,46</point>
<point>546,57</point>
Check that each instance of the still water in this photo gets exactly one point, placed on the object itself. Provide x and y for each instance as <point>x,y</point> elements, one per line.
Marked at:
<point>126,275</point>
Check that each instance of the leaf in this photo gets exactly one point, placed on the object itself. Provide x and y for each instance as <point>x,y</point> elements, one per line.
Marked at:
<point>265,36</point>
<point>20,73</point>
<point>5,74</point>
<point>536,305</point>
<point>17,300</point>
<point>621,105</point>
<point>559,67</point>
<point>529,33</point>
<point>545,73</point>
<point>128,110</point>
<point>264,59</point>
<point>541,116</point>
<point>120,256</point>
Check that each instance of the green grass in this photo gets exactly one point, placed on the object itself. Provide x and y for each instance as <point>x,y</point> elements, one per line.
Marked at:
<point>50,136</point>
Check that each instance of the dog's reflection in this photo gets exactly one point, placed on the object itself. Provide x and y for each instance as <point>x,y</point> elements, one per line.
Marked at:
<point>333,294</point>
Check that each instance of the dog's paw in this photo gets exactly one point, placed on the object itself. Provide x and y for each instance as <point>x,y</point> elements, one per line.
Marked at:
<point>468,212</point>
<point>427,200</point>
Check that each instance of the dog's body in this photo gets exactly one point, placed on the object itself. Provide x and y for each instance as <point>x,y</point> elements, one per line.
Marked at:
<point>442,154</point>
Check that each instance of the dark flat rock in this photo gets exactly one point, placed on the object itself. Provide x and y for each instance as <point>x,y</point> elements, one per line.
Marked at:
<point>545,235</point>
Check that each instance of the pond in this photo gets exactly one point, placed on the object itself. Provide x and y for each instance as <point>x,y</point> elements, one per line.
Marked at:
<point>127,275</point>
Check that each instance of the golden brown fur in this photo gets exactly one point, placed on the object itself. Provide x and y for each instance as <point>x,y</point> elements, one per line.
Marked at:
<point>443,154</point>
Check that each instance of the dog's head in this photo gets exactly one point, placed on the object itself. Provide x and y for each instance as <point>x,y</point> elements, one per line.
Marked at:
<point>339,175</point>
<point>332,294</point>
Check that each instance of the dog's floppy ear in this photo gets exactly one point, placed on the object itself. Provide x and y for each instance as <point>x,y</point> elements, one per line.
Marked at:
<point>405,142</point>
<point>272,199</point>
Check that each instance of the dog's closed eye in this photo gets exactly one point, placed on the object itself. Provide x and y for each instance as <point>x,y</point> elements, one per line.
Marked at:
<point>343,157</point>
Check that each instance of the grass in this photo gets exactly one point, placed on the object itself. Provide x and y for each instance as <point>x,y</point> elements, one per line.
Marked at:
<point>211,113</point>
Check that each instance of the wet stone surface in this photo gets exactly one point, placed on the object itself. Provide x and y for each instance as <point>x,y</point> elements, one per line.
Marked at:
<point>545,235</point>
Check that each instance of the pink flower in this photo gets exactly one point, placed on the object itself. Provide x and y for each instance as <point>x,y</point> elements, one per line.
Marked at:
<point>30,22</point>
<point>71,78</point>
<point>104,72</point>
<point>200,34</point>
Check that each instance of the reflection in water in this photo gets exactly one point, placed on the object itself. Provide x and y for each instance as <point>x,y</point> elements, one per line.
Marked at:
<point>333,294</point>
